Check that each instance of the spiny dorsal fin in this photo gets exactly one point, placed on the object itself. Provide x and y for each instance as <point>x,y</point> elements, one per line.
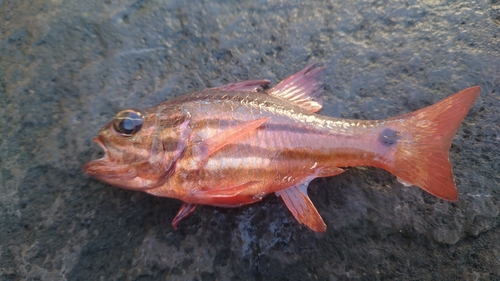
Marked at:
<point>245,86</point>
<point>299,87</point>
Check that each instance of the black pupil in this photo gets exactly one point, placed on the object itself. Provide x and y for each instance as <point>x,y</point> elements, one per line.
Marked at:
<point>128,122</point>
<point>127,126</point>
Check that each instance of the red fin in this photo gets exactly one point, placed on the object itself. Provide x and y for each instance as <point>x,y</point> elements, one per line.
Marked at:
<point>233,196</point>
<point>302,208</point>
<point>232,134</point>
<point>227,191</point>
<point>244,86</point>
<point>422,159</point>
<point>330,171</point>
<point>200,151</point>
<point>183,213</point>
<point>299,88</point>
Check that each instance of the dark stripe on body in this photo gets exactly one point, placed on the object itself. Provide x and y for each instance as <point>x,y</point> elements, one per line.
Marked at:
<point>269,125</point>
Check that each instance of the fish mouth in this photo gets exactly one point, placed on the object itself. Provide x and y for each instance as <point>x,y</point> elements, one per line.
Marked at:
<point>106,167</point>
<point>106,157</point>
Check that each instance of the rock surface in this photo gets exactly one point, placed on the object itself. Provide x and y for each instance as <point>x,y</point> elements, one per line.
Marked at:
<point>66,67</point>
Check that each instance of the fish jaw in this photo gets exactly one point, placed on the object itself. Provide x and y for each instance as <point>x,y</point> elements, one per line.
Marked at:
<point>111,170</point>
<point>122,176</point>
<point>107,168</point>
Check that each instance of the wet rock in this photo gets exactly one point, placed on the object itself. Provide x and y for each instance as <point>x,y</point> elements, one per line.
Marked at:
<point>66,67</point>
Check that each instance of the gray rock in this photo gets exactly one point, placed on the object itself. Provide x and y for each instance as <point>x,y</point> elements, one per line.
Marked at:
<point>66,67</point>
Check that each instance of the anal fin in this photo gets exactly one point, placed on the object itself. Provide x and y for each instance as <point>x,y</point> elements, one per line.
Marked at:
<point>298,202</point>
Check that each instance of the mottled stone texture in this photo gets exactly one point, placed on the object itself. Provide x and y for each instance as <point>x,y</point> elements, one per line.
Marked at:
<point>66,67</point>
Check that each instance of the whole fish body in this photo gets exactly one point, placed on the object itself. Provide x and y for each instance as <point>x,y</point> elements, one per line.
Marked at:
<point>232,145</point>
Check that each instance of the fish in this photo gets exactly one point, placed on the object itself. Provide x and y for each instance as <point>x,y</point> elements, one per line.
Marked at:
<point>232,145</point>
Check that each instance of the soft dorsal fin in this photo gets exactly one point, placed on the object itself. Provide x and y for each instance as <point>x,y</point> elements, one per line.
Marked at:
<point>299,87</point>
<point>302,208</point>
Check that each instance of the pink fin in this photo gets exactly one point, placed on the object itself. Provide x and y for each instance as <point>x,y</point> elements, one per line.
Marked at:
<point>329,171</point>
<point>244,86</point>
<point>201,150</point>
<point>227,191</point>
<point>183,213</point>
<point>299,88</point>
<point>233,196</point>
<point>302,208</point>
<point>423,159</point>
<point>232,134</point>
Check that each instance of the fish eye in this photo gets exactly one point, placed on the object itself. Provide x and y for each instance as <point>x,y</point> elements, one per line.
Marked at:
<point>128,122</point>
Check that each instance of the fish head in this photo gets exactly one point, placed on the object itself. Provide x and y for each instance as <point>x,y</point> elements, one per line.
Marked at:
<point>140,150</point>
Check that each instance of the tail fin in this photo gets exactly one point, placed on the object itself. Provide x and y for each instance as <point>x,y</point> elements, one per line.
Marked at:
<point>421,159</point>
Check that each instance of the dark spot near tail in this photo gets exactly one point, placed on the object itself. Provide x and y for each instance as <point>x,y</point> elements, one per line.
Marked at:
<point>389,137</point>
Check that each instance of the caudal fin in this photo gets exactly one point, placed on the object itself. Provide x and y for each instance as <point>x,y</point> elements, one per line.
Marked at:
<point>421,156</point>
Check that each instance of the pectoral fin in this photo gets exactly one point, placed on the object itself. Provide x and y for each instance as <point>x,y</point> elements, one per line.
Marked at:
<point>200,151</point>
<point>183,213</point>
<point>232,134</point>
<point>302,208</point>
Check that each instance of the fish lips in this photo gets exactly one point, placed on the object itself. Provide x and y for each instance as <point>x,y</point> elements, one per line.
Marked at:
<point>106,168</point>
